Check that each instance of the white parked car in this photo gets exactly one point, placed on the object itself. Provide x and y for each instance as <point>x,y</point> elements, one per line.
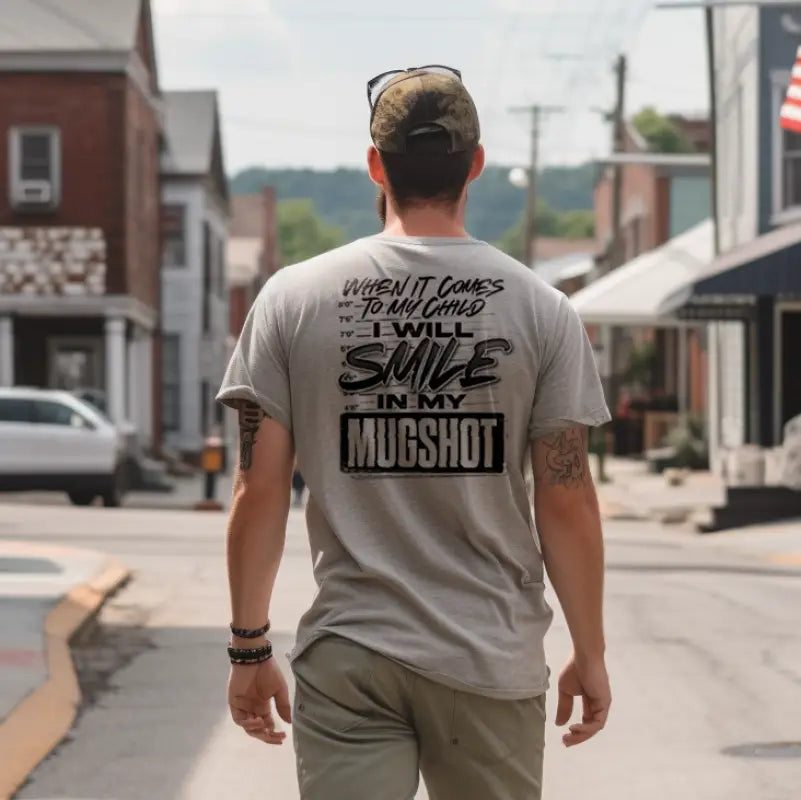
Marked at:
<point>53,441</point>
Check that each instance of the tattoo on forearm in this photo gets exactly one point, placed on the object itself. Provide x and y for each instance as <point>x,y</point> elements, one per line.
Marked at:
<point>561,458</point>
<point>250,418</point>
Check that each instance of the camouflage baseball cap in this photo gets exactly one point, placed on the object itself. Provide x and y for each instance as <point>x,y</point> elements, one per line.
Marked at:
<point>419,101</point>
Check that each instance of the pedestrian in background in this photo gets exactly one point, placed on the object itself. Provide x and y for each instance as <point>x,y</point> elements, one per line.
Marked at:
<point>298,487</point>
<point>431,373</point>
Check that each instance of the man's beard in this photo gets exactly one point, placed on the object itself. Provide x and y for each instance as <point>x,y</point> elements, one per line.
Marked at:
<point>381,206</point>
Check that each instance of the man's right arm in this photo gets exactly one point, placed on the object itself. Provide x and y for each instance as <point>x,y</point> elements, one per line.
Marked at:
<point>569,525</point>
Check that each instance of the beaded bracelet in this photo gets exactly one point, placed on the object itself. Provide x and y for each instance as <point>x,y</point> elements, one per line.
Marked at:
<point>250,633</point>
<point>254,655</point>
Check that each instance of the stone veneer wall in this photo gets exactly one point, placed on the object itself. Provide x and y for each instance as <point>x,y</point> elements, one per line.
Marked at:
<point>52,261</point>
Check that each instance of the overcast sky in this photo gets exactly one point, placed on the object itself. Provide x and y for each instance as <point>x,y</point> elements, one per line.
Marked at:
<point>291,73</point>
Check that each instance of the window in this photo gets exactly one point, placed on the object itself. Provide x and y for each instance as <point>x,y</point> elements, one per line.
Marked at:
<point>739,193</point>
<point>141,175</point>
<point>171,381</point>
<point>207,277</point>
<point>205,396</point>
<point>791,169</point>
<point>634,239</point>
<point>15,409</point>
<point>35,166</point>
<point>222,271</point>
<point>173,228</point>
<point>51,413</point>
<point>786,157</point>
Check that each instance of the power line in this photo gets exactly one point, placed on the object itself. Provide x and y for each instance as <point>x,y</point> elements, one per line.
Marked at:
<point>284,127</point>
<point>350,18</point>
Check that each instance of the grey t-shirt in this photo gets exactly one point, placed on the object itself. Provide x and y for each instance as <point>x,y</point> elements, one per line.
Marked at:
<point>413,374</point>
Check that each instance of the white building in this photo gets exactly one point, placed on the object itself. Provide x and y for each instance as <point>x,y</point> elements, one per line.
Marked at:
<point>194,275</point>
<point>751,297</point>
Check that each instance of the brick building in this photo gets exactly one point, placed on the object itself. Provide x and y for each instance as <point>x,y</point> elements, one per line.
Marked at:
<point>80,122</point>
<point>665,200</point>
<point>253,252</point>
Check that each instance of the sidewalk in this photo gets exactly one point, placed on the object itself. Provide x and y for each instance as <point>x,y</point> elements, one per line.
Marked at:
<point>634,493</point>
<point>188,492</point>
<point>46,595</point>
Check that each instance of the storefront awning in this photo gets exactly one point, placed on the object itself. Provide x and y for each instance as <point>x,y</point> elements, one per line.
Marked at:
<point>769,265</point>
<point>644,291</point>
<point>564,268</point>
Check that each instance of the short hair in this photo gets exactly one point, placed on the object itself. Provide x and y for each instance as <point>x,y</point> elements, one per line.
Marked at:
<point>427,172</point>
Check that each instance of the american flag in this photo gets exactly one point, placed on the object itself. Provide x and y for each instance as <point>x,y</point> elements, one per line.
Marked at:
<point>791,110</point>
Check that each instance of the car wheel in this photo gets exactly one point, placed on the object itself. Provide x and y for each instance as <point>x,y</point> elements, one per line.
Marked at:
<point>81,498</point>
<point>113,495</point>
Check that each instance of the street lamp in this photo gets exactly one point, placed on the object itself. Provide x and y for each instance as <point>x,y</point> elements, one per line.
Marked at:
<point>518,177</point>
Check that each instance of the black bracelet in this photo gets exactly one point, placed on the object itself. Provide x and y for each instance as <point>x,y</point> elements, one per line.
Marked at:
<point>248,633</point>
<point>254,655</point>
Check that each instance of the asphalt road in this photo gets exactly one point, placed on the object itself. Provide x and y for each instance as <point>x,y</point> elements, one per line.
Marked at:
<point>704,652</point>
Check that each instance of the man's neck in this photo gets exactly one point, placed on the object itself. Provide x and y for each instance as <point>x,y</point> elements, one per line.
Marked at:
<point>426,222</point>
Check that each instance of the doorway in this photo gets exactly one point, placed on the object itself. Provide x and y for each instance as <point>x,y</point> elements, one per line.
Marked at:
<point>75,363</point>
<point>790,370</point>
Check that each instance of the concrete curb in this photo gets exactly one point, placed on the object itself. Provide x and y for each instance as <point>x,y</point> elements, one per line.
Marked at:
<point>43,718</point>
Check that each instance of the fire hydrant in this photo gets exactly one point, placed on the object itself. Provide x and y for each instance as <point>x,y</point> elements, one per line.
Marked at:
<point>212,462</point>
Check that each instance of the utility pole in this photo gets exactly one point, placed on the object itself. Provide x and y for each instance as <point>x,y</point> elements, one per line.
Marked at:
<point>536,113</point>
<point>618,146</point>
<point>610,338</point>
<point>709,7</point>
<point>709,20</point>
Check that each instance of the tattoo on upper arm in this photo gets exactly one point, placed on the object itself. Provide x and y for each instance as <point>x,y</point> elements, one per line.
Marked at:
<point>250,418</point>
<point>561,458</point>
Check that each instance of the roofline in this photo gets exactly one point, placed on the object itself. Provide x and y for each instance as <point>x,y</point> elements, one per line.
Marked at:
<point>205,181</point>
<point>173,92</point>
<point>638,139</point>
<point>95,60</point>
<point>634,320</point>
<point>171,174</point>
<point>698,160</point>
<point>120,62</point>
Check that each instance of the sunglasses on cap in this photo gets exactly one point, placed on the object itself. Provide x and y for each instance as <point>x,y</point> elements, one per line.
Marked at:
<point>377,85</point>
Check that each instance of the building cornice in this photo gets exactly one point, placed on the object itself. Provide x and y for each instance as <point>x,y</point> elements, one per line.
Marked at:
<point>128,63</point>
<point>108,306</point>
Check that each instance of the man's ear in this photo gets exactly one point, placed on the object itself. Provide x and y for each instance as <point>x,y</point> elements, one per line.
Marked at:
<point>479,158</point>
<point>375,167</point>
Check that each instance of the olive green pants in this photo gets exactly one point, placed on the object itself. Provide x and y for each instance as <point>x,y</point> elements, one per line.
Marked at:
<point>365,727</point>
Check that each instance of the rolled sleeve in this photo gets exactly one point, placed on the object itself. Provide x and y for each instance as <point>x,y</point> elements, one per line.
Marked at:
<point>569,390</point>
<point>258,371</point>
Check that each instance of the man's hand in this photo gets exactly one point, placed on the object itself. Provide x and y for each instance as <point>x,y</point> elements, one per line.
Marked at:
<point>252,688</point>
<point>590,682</point>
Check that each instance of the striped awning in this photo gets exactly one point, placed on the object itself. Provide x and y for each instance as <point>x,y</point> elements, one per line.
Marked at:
<point>791,110</point>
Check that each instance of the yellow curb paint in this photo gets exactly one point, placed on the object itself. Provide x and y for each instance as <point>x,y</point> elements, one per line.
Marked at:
<point>42,719</point>
<point>787,559</point>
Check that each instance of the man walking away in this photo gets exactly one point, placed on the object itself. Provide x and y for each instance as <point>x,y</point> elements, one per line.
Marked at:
<point>418,375</point>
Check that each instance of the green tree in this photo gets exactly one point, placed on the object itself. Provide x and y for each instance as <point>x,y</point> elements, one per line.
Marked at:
<point>345,197</point>
<point>577,225</point>
<point>560,225</point>
<point>301,232</point>
<point>512,241</point>
<point>661,132</point>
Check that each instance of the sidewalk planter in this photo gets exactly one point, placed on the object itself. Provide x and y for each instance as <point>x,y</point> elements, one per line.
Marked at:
<point>745,466</point>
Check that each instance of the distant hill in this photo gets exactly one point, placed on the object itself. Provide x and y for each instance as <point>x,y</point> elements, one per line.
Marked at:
<point>346,197</point>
